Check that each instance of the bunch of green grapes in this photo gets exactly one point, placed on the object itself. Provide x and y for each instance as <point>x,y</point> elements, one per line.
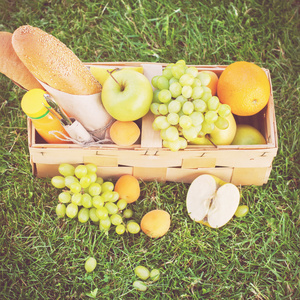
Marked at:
<point>88,197</point>
<point>184,106</point>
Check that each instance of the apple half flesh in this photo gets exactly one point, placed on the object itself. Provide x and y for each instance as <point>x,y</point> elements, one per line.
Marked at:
<point>211,201</point>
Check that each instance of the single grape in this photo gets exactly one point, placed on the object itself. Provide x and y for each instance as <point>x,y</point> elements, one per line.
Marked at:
<point>178,70</point>
<point>222,123</point>
<point>172,134</point>
<point>64,197</point>
<point>116,219</point>
<point>200,105</point>
<point>107,196</point>
<point>115,196</point>
<point>128,213</point>
<point>87,200</point>
<point>122,204</point>
<point>167,72</point>
<point>75,187</point>
<point>211,116</point>
<point>58,182</point>
<point>186,79</point>
<point>155,96</point>
<point>175,89</point>
<point>197,92</point>
<point>188,107</point>
<point>190,133</point>
<point>107,186</point>
<point>161,122</point>
<point>98,201</point>
<point>164,96</point>
<point>99,180</point>
<point>92,176</point>
<point>197,118</point>
<point>154,274</point>
<point>91,168</point>
<point>102,213</point>
<point>154,81</point>
<point>83,215</point>
<point>140,285</point>
<point>163,109</point>
<point>94,189</point>
<point>213,103</point>
<point>181,62</point>
<point>207,127</point>
<point>187,91</point>
<point>162,83</point>
<point>90,264</point>
<point>173,118</point>
<point>154,108</point>
<point>204,77</point>
<point>120,229</point>
<point>142,272</point>
<point>66,170</point>
<point>242,211</point>
<point>112,208</point>
<point>174,145</point>
<point>224,110</point>
<point>172,80</point>
<point>71,210</point>
<point>174,106</point>
<point>85,181</point>
<point>93,215</point>
<point>80,171</point>
<point>60,210</point>
<point>185,121</point>
<point>77,199</point>
<point>183,142</point>
<point>192,70</point>
<point>133,227</point>
<point>104,224</point>
<point>206,94</point>
<point>197,82</point>
<point>181,99</point>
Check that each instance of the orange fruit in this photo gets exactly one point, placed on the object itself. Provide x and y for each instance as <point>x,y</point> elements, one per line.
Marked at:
<point>124,133</point>
<point>245,87</point>
<point>213,81</point>
<point>156,223</point>
<point>128,188</point>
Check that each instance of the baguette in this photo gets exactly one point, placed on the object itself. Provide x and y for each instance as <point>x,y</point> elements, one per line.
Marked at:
<point>11,65</point>
<point>52,62</point>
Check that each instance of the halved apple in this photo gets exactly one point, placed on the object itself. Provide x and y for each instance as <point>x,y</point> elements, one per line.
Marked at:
<point>211,201</point>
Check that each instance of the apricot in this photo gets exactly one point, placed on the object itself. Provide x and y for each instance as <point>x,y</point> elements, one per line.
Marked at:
<point>128,188</point>
<point>124,133</point>
<point>156,223</point>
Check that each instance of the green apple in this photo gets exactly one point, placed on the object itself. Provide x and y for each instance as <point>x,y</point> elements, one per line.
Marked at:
<point>218,136</point>
<point>127,95</point>
<point>247,135</point>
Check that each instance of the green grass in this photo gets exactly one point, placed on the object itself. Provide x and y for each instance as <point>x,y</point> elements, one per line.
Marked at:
<point>42,257</point>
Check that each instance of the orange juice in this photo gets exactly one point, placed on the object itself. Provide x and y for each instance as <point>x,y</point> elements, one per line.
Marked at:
<point>35,106</point>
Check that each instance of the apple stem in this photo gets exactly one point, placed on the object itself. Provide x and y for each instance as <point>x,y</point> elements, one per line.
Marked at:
<point>110,73</point>
<point>208,137</point>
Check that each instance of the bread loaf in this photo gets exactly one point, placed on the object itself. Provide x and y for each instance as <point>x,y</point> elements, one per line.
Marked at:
<point>12,66</point>
<point>52,62</point>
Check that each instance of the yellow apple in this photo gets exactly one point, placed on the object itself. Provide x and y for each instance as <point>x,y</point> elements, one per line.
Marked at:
<point>247,135</point>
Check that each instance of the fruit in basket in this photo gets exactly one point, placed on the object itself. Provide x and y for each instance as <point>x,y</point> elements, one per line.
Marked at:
<point>211,201</point>
<point>247,135</point>
<point>124,133</point>
<point>218,136</point>
<point>156,223</point>
<point>245,87</point>
<point>101,73</point>
<point>128,188</point>
<point>127,95</point>
<point>209,79</point>
<point>184,105</point>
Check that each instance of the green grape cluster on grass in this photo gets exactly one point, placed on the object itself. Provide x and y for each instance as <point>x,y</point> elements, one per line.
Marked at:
<point>184,106</point>
<point>86,196</point>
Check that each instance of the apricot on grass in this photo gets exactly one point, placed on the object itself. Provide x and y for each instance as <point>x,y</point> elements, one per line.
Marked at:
<point>128,188</point>
<point>124,133</point>
<point>156,223</point>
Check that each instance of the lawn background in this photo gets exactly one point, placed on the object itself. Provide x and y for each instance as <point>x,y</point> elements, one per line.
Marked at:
<point>42,257</point>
